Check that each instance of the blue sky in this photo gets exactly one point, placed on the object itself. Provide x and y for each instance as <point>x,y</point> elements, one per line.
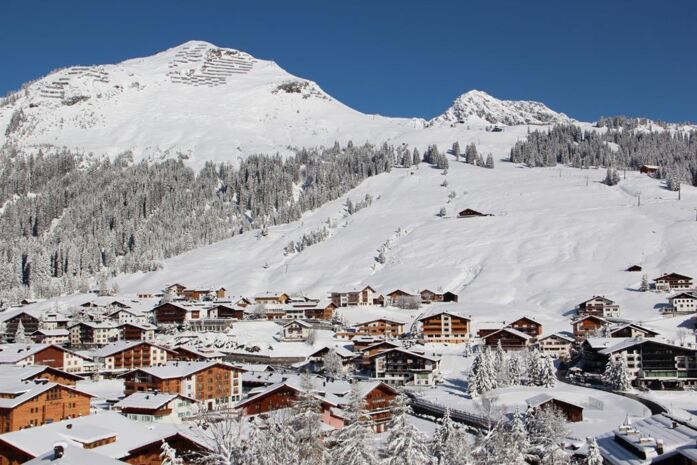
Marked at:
<point>397,58</point>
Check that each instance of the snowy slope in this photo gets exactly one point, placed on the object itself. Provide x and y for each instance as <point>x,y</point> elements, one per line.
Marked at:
<point>477,106</point>
<point>552,242</point>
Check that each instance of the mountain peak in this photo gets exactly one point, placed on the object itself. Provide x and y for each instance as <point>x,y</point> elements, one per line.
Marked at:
<point>479,106</point>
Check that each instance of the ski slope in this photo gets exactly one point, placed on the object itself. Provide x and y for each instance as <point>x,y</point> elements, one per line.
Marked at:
<point>558,236</point>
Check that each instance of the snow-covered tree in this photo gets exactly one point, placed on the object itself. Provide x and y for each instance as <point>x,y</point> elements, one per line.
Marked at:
<point>482,377</point>
<point>644,283</point>
<point>548,377</point>
<point>611,177</point>
<point>20,335</point>
<point>307,422</point>
<point>514,369</point>
<point>351,445</point>
<point>616,376</point>
<point>546,427</point>
<point>222,434</point>
<point>332,364</point>
<point>442,212</point>
<point>168,455</point>
<point>456,151</point>
<point>471,154</point>
<point>594,457</point>
<point>405,444</point>
<point>489,161</point>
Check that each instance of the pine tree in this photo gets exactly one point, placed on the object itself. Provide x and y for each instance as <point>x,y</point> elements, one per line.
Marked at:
<point>514,370</point>
<point>307,422</point>
<point>352,442</point>
<point>616,376</point>
<point>442,212</point>
<point>20,335</point>
<point>332,364</point>
<point>416,157</point>
<point>471,154</point>
<point>168,455</point>
<point>490,161</point>
<point>534,367</point>
<point>456,151</point>
<point>405,444</point>
<point>548,378</point>
<point>644,283</point>
<point>594,457</point>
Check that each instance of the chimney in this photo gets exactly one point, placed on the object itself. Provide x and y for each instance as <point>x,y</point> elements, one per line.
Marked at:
<point>675,424</point>
<point>69,426</point>
<point>58,450</point>
<point>659,446</point>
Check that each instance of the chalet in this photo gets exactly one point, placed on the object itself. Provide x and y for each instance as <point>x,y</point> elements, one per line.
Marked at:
<point>599,306</point>
<point>316,359</point>
<point>360,342</point>
<point>156,407</point>
<point>445,327</point>
<point>634,268</point>
<point>216,385</point>
<point>24,404</point>
<point>558,345</point>
<point>685,302</point>
<point>127,315</point>
<point>658,440</point>
<point>648,169</point>
<point>489,328</point>
<point>587,326</point>
<point>44,354</point>
<point>372,349</point>
<point>317,310</point>
<point>632,330</point>
<point>226,311</point>
<point>107,438</point>
<point>381,327</point>
<point>136,331</point>
<point>527,325</point>
<point>30,323</point>
<point>203,294</point>
<point>428,296</point>
<point>92,334</point>
<point>193,354</point>
<point>174,313</point>
<point>673,282</point>
<point>51,336</point>
<point>296,330</point>
<point>333,396</point>
<point>129,355</point>
<point>403,299</point>
<point>657,364</point>
<point>362,297</point>
<point>271,298</point>
<point>572,411</point>
<point>509,338</point>
<point>176,289</point>
<point>54,321</point>
<point>469,213</point>
<point>399,366</point>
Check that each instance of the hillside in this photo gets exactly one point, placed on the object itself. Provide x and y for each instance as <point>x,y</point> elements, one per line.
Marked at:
<point>553,242</point>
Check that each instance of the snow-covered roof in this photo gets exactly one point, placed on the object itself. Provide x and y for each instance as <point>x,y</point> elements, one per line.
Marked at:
<point>562,335</point>
<point>13,373</point>
<point>73,455</point>
<point>52,332</point>
<point>119,346</point>
<point>148,400</point>
<point>632,342</point>
<point>437,311</point>
<point>128,434</point>
<point>509,330</point>
<point>542,398</point>
<point>23,391</point>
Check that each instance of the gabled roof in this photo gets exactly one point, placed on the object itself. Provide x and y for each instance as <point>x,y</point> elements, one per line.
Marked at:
<point>598,297</point>
<point>149,400</point>
<point>15,373</point>
<point>51,332</point>
<point>525,317</point>
<point>340,351</point>
<point>564,336</point>
<point>13,353</point>
<point>298,322</point>
<point>25,391</point>
<point>443,312</point>
<point>73,455</point>
<point>539,399</point>
<point>683,295</point>
<point>510,330</point>
<point>119,346</point>
<point>404,351</point>
<point>590,317</point>
<point>673,276</point>
<point>635,326</point>
<point>633,342</point>
<point>203,353</point>
<point>385,319</point>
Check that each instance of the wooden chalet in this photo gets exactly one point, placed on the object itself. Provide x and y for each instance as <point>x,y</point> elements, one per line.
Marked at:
<point>296,330</point>
<point>588,326</point>
<point>194,354</point>
<point>129,355</point>
<point>445,327</point>
<point>51,355</point>
<point>648,169</point>
<point>201,294</point>
<point>673,282</point>
<point>527,325</point>
<point>362,297</point>
<point>558,345</point>
<point>51,336</point>
<point>176,289</point>
<point>271,298</point>
<point>509,338</point>
<point>381,327</point>
<point>136,331</point>
<point>400,367</point>
<point>428,296</point>
<point>632,330</point>
<point>599,306</point>
<point>172,313</point>
<point>573,412</point>
<point>29,322</point>
<point>684,302</point>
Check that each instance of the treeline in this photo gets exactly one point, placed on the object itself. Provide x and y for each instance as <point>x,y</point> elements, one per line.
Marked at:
<point>674,151</point>
<point>65,218</point>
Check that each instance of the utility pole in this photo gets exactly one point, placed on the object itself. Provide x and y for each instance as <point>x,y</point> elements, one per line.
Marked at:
<point>679,191</point>
<point>638,196</point>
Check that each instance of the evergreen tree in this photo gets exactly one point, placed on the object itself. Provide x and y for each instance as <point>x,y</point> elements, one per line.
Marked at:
<point>307,422</point>
<point>535,367</point>
<point>20,335</point>
<point>490,161</point>
<point>352,442</point>
<point>471,154</point>
<point>416,157</point>
<point>616,376</point>
<point>594,457</point>
<point>611,177</point>
<point>548,378</point>
<point>514,370</point>
<point>456,150</point>
<point>644,283</point>
<point>405,444</point>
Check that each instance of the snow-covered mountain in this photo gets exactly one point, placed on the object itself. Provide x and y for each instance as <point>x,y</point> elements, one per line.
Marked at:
<point>476,106</point>
<point>212,103</point>
<point>197,99</point>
